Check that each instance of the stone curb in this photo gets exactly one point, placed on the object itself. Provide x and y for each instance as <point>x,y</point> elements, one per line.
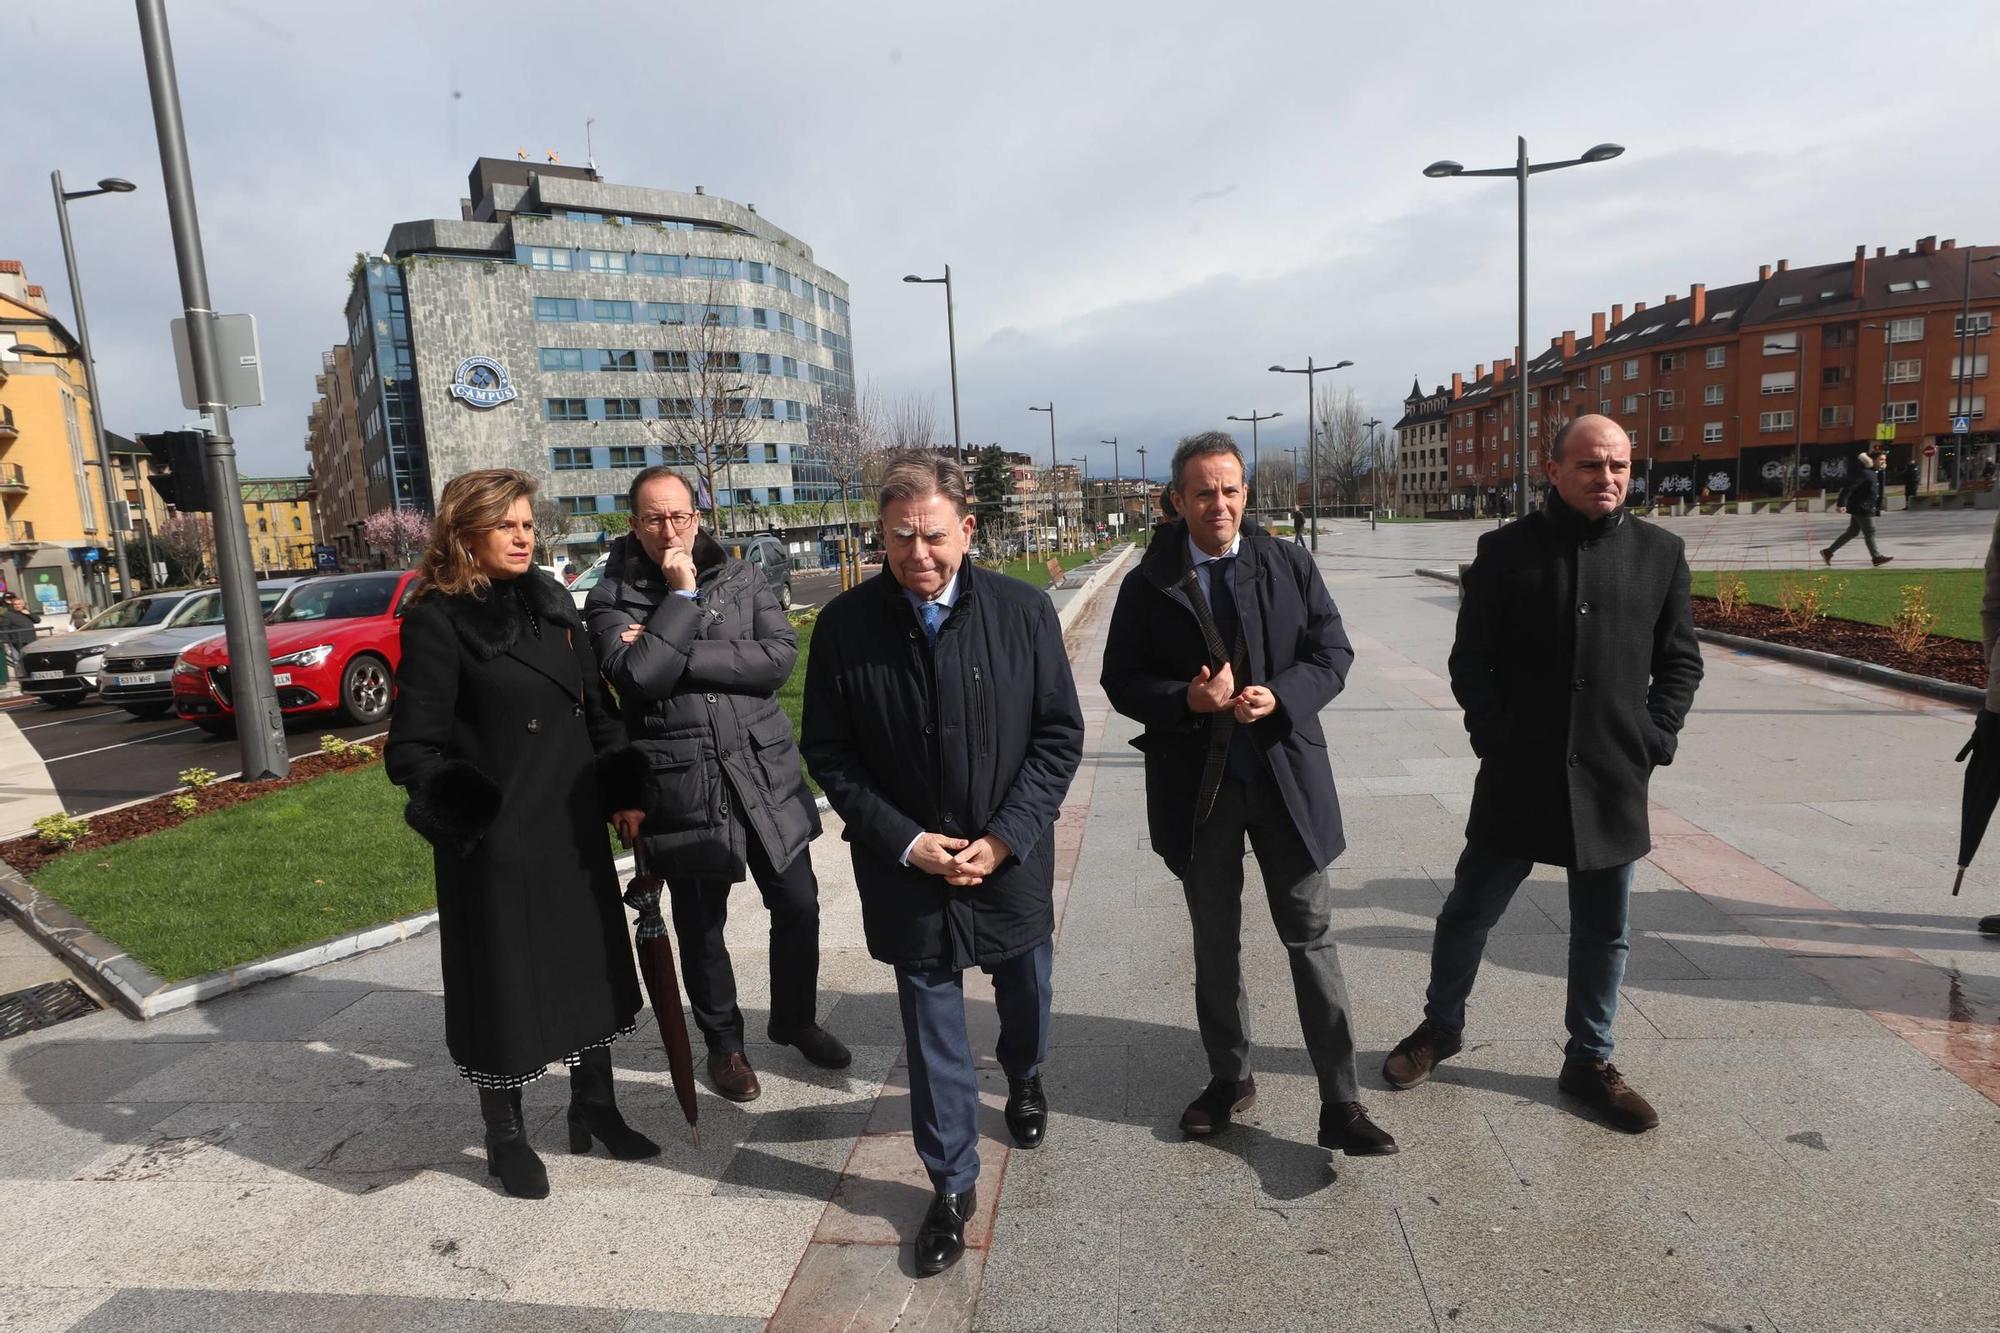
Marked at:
<point>143,994</point>
<point>1073,609</point>
<point>1831,663</point>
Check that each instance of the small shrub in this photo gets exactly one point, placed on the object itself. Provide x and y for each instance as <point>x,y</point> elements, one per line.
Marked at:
<point>62,830</point>
<point>335,745</point>
<point>197,778</point>
<point>185,803</point>
<point>1804,604</point>
<point>1732,594</point>
<point>1914,620</point>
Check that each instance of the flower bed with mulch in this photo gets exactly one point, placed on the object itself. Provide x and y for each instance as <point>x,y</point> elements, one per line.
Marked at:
<point>30,853</point>
<point>1959,661</point>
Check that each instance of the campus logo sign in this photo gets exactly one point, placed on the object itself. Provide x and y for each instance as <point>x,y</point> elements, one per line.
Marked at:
<point>482,382</point>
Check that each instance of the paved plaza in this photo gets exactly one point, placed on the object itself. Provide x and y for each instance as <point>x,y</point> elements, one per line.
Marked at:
<point>1806,1005</point>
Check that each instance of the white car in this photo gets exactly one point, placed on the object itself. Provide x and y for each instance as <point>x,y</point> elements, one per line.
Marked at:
<point>580,587</point>
<point>62,668</point>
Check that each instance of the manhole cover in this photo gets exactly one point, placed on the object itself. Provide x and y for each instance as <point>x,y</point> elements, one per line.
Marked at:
<point>43,1006</point>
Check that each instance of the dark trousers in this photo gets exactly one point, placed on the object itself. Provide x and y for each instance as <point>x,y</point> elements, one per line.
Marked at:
<point>1301,903</point>
<point>1858,525</point>
<point>944,1085</point>
<point>701,910</point>
<point>1599,940</point>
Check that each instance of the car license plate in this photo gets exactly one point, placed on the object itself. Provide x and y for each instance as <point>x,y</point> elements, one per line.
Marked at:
<point>281,678</point>
<point>140,678</point>
<point>46,675</point>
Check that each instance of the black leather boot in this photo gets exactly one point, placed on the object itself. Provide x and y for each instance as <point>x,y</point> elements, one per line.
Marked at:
<point>508,1155</point>
<point>594,1114</point>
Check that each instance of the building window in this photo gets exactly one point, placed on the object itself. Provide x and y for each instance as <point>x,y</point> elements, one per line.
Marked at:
<point>770,453</point>
<point>1711,432</point>
<point>263,525</point>
<point>677,409</point>
<point>569,460</point>
<point>1711,395</point>
<point>1583,381</point>
<point>562,358</point>
<point>611,312</point>
<point>541,256</point>
<point>555,310</point>
<point>731,362</point>
<point>1668,434</point>
<point>1779,381</point>
<point>774,495</point>
<point>1534,429</point>
<point>1978,366</point>
<point>1903,372</point>
<point>1900,411</point>
<point>1671,361</point>
<point>665,312</point>
<point>577,504</point>
<point>676,362</point>
<point>1906,330</point>
<point>567,409</point>
<point>1976,411</point>
<point>1631,404</point>
<point>1604,374</point>
<point>1840,414</point>
<point>1533,401</point>
<point>1920,284</point>
<point>628,455</point>
<point>297,524</point>
<point>1604,407</point>
<point>1831,375</point>
<point>665,266</point>
<point>1633,436</point>
<point>1980,321</point>
<point>618,360</point>
<point>606,261</point>
<point>1632,368</point>
<point>621,409</point>
<point>1770,421</point>
<point>1715,356</point>
<point>1776,344</point>
<point>1838,335</point>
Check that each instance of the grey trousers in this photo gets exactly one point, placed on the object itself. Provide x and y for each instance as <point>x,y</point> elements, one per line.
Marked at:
<point>1858,525</point>
<point>1301,903</point>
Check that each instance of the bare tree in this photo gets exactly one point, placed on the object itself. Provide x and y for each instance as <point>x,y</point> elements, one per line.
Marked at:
<point>552,524</point>
<point>185,540</point>
<point>1277,482</point>
<point>1343,446</point>
<point>844,431</point>
<point>704,421</point>
<point>911,422</point>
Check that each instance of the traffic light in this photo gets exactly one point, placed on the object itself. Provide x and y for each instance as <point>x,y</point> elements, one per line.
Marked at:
<point>180,471</point>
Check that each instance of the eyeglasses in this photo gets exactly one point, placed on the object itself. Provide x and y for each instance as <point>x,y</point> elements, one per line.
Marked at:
<point>680,522</point>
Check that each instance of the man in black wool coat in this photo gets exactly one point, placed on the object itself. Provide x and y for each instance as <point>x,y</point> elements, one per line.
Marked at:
<point>1575,662</point>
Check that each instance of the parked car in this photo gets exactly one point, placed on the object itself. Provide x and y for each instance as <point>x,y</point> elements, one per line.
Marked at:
<point>334,643</point>
<point>138,675</point>
<point>767,554</point>
<point>580,586</point>
<point>62,669</point>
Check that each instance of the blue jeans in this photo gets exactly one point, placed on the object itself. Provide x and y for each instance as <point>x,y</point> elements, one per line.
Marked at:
<point>1599,939</point>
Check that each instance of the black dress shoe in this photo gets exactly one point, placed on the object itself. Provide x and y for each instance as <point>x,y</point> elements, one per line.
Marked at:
<point>1209,1114</point>
<point>817,1045</point>
<point>1027,1111</point>
<point>941,1239</point>
<point>1989,925</point>
<point>1345,1127</point>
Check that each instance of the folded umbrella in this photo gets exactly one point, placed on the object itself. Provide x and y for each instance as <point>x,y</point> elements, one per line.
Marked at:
<point>663,986</point>
<point>1982,790</point>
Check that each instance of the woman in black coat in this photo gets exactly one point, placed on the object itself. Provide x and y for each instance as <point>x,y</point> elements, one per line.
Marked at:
<point>513,757</point>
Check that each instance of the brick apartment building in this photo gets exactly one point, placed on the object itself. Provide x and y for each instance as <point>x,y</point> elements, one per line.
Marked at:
<point>1745,389</point>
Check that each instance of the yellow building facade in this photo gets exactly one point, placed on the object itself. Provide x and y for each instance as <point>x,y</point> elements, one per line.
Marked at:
<point>54,535</point>
<point>278,511</point>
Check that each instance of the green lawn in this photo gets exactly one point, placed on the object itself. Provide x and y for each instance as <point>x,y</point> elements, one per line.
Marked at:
<point>286,870</point>
<point>1035,569</point>
<point>1871,596</point>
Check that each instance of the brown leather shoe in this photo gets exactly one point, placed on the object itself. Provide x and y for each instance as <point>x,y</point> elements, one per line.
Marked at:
<point>1345,1127</point>
<point>1598,1084</point>
<point>1208,1114</point>
<point>734,1078</point>
<point>1419,1053</point>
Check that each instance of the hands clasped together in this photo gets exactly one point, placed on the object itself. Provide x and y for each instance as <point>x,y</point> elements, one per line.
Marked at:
<point>961,863</point>
<point>1215,691</point>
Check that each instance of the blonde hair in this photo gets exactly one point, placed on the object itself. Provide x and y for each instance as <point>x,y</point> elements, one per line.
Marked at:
<point>472,503</point>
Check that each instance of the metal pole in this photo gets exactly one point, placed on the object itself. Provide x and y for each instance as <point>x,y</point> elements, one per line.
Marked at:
<point>90,386</point>
<point>1650,497</point>
<point>1253,462</point>
<point>1374,473</point>
<point>1146,489</point>
<point>260,727</point>
<point>1055,497</point>
<point>1521,337</point>
<point>1312,452</point>
<point>951,338</point>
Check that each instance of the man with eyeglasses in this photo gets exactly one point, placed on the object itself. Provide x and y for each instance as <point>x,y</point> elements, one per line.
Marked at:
<point>697,648</point>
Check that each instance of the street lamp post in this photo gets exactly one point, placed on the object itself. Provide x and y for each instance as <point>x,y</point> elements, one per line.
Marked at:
<point>1520,171</point>
<point>1374,472</point>
<point>1117,480</point>
<point>1053,465</point>
<point>1253,419</point>
<point>1146,488</point>
<point>1312,434</point>
<point>109,185</point>
<point>1651,394</point>
<point>1083,492</point>
<point>951,340</point>
<point>1798,348</point>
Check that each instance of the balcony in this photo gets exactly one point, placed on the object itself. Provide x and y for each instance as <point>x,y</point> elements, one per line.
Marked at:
<point>18,534</point>
<point>13,481</point>
<point>8,431</point>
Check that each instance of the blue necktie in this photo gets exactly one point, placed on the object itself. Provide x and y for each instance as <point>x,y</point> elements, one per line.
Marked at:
<point>1222,605</point>
<point>932,614</point>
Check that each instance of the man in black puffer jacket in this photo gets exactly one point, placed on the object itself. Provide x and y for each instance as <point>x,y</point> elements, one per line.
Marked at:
<point>697,649</point>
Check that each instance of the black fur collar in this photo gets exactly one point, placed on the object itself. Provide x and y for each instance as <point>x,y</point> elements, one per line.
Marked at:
<point>492,622</point>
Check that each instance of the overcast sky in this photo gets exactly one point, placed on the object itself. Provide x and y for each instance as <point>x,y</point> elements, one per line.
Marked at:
<point>1144,205</point>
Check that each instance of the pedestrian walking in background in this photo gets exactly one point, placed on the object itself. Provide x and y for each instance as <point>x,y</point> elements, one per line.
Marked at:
<point>942,724</point>
<point>1298,525</point>
<point>514,759</point>
<point>1910,481</point>
<point>1862,501</point>
<point>1575,662</point>
<point>1226,646</point>
<point>697,647</point>
<point>17,631</point>
<point>1989,625</point>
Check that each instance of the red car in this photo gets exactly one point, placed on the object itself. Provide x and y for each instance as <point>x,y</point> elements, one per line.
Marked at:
<point>335,643</point>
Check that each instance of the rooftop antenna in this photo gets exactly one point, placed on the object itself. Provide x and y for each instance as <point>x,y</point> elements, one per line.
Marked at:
<point>589,153</point>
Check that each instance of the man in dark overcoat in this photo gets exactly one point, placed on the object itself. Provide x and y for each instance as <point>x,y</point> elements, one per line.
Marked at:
<point>697,648</point>
<point>1226,645</point>
<point>942,723</point>
<point>1575,662</point>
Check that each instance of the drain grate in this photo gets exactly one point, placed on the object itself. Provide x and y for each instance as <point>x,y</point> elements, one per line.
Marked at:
<point>43,1006</point>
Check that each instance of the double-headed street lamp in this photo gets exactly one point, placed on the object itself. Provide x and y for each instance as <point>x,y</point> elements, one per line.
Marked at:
<point>1053,465</point>
<point>1253,419</point>
<point>1374,472</point>
<point>1312,433</point>
<point>1521,170</point>
<point>951,339</point>
<point>1117,480</point>
<point>1083,490</point>
<point>109,185</point>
